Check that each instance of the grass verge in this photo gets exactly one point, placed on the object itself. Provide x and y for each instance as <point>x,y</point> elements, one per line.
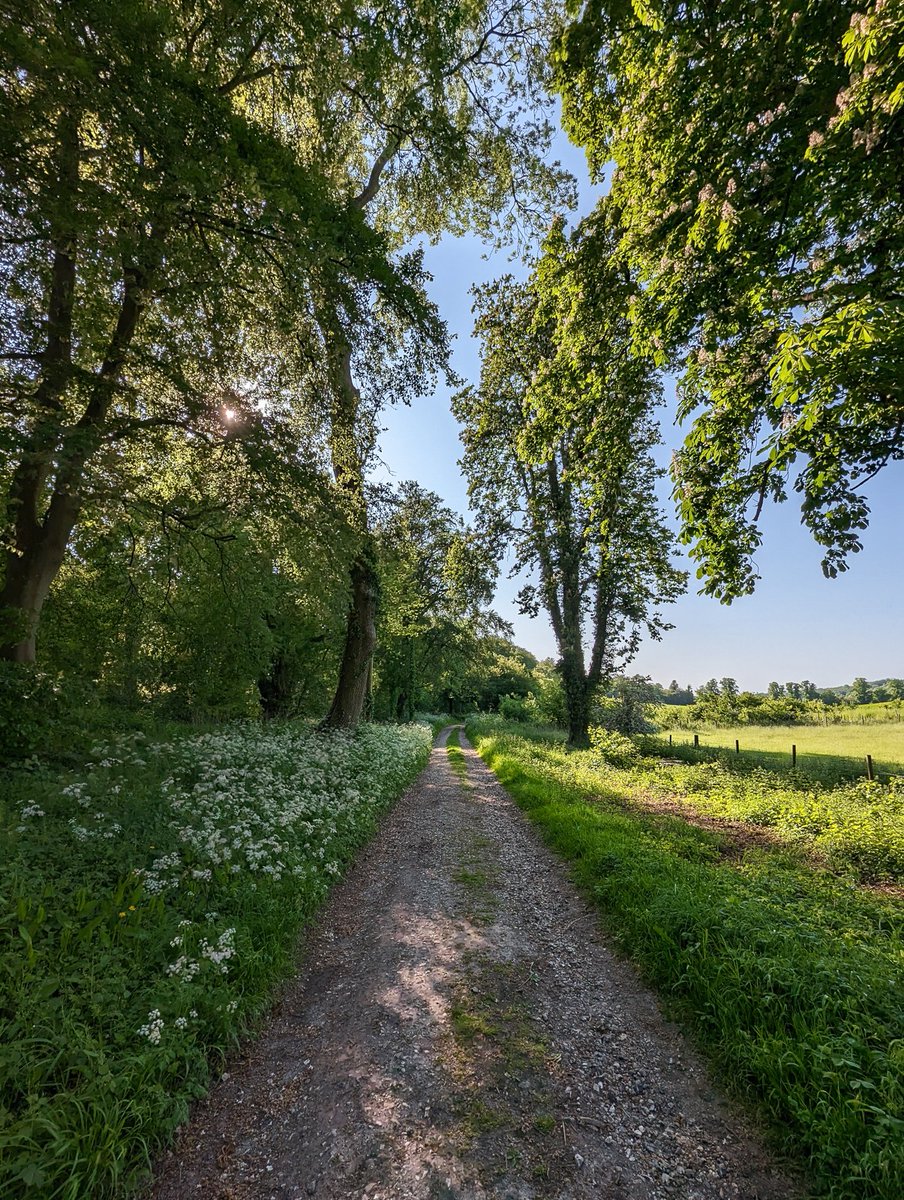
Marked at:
<point>791,979</point>
<point>149,903</point>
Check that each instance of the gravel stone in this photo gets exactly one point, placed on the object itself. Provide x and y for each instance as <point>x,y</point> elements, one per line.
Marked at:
<point>461,1030</point>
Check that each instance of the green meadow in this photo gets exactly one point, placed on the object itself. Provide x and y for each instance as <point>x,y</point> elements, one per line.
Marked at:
<point>827,752</point>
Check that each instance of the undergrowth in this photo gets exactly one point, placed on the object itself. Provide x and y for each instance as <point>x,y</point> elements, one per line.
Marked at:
<point>790,977</point>
<point>856,827</point>
<point>149,902</point>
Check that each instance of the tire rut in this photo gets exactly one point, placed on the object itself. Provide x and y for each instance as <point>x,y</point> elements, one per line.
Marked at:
<point>461,1031</point>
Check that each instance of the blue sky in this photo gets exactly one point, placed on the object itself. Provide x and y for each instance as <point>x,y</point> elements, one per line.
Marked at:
<point>797,625</point>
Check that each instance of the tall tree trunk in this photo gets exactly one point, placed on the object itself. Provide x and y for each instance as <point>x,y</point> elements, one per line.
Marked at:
<point>577,703</point>
<point>353,687</point>
<point>352,697</point>
<point>353,700</point>
<point>574,673</point>
<point>39,541</point>
<point>31,568</point>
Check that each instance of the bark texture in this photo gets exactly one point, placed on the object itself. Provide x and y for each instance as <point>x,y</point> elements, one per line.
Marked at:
<point>351,698</point>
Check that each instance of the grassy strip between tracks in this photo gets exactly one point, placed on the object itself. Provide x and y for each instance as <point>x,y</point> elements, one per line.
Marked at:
<point>791,978</point>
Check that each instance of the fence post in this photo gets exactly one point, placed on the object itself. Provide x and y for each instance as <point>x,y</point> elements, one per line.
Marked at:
<point>670,739</point>
<point>793,756</point>
<point>869,767</point>
<point>696,741</point>
<point>737,746</point>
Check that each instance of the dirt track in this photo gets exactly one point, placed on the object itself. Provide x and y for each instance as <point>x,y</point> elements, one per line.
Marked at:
<point>461,1030</point>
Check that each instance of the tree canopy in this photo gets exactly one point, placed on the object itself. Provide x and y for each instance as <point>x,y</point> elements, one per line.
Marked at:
<point>207,216</point>
<point>163,227</point>
<point>558,437</point>
<point>758,157</point>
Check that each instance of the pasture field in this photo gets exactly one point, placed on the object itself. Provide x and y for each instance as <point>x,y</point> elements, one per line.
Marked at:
<point>861,714</point>
<point>789,975</point>
<point>828,753</point>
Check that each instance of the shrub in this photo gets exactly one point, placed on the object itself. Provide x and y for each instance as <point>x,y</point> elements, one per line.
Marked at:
<point>613,747</point>
<point>546,705</point>
<point>42,713</point>
<point>515,708</point>
<point>625,711</point>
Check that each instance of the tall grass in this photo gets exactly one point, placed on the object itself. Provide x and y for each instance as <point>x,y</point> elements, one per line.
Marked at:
<point>791,979</point>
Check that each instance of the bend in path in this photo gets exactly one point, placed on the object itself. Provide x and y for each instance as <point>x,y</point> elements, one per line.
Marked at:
<point>461,1030</point>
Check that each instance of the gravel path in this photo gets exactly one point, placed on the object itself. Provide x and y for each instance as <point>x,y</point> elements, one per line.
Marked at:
<point>460,1032</point>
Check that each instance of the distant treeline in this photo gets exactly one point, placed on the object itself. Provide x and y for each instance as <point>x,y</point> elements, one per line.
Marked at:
<point>721,703</point>
<point>634,704</point>
<point>861,691</point>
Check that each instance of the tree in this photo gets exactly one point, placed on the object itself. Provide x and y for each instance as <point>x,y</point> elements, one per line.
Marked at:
<point>197,588</point>
<point>729,688</point>
<point>859,692</point>
<point>792,690</point>
<point>436,584</point>
<point>632,694</point>
<point>453,138</point>
<point>710,688</point>
<point>775,690</point>
<point>557,439</point>
<point>162,223</point>
<point>764,219</point>
<point>497,669</point>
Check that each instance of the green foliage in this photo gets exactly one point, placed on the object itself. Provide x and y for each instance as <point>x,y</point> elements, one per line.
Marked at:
<point>187,594</point>
<point>32,705</point>
<point>434,618</point>
<point>762,211</point>
<point>750,708</point>
<point>150,902</point>
<point>558,438</point>
<point>791,980</point>
<point>207,220</point>
<point>713,708</point>
<point>515,708</point>
<point>55,719</point>
<point>500,669</point>
<point>858,828</point>
<point>547,698</point>
<point>631,696</point>
<point>436,721</point>
<point>166,230</point>
<point>612,747</point>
